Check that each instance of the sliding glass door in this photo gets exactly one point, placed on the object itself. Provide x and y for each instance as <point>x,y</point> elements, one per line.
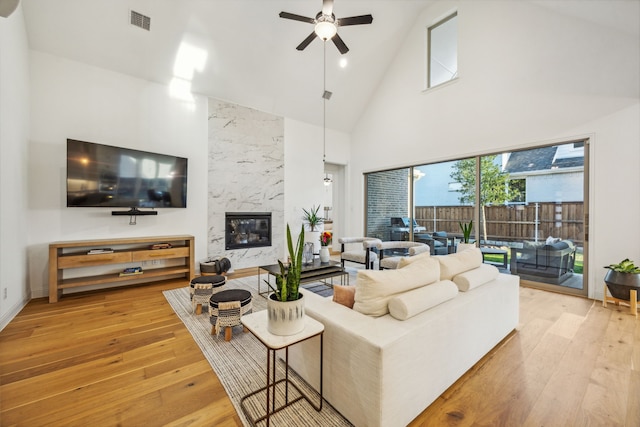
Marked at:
<point>527,209</point>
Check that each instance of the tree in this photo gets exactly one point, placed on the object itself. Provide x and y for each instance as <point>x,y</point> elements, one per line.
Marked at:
<point>494,184</point>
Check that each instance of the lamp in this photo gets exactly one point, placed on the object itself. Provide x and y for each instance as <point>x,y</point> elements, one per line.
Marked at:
<point>325,28</point>
<point>325,96</point>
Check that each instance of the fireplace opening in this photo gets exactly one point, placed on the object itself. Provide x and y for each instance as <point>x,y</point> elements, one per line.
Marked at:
<point>247,229</point>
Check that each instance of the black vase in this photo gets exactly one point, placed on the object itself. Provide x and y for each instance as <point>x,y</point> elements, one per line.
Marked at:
<point>620,284</point>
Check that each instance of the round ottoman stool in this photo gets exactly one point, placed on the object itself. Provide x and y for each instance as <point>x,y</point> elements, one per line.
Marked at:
<point>226,308</point>
<point>202,288</point>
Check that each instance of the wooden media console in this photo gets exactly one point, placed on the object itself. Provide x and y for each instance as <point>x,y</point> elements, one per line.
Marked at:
<point>75,255</point>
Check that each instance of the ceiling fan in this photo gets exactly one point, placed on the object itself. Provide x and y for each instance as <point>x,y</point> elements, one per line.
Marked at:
<point>326,25</point>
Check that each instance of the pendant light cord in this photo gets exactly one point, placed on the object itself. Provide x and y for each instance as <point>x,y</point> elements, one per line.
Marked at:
<point>324,104</point>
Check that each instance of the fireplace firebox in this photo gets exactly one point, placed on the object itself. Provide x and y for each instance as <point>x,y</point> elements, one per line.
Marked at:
<point>247,229</point>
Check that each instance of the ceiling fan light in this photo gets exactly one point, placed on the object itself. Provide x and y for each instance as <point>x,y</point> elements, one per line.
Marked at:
<point>325,30</point>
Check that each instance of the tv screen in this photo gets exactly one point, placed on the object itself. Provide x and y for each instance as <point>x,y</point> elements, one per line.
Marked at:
<point>105,176</point>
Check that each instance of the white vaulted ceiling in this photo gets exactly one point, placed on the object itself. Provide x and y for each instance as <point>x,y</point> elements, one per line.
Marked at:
<point>251,58</point>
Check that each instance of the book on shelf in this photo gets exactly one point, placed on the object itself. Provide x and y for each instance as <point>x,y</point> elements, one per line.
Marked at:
<point>161,246</point>
<point>131,271</point>
<point>100,251</point>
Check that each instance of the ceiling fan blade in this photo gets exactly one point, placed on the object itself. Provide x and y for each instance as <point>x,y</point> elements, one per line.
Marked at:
<point>354,20</point>
<point>337,40</point>
<point>287,15</point>
<point>306,41</point>
<point>327,7</point>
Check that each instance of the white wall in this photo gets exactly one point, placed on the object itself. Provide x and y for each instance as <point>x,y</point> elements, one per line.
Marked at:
<point>527,76</point>
<point>304,171</point>
<point>75,100</point>
<point>14,138</point>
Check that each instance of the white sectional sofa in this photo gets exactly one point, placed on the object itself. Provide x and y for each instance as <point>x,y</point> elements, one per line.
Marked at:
<point>382,371</point>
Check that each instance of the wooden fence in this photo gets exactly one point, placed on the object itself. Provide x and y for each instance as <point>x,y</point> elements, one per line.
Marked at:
<point>535,221</point>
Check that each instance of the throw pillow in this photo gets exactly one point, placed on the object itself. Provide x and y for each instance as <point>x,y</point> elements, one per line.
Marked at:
<point>408,304</point>
<point>454,264</point>
<point>344,295</point>
<point>404,261</point>
<point>476,277</point>
<point>374,288</point>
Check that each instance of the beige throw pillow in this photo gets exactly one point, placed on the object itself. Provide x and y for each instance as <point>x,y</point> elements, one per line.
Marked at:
<point>454,264</point>
<point>404,261</point>
<point>374,288</point>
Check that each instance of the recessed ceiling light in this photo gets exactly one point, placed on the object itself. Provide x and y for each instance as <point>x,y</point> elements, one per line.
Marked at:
<point>343,62</point>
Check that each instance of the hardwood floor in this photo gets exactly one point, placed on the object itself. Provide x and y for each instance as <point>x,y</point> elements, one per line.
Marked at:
<point>122,357</point>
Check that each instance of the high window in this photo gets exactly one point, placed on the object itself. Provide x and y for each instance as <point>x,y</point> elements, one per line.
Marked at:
<point>442,51</point>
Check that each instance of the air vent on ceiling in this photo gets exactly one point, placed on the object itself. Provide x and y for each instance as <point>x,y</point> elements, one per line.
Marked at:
<point>140,20</point>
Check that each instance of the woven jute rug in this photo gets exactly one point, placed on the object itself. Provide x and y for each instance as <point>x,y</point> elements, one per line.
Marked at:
<point>241,363</point>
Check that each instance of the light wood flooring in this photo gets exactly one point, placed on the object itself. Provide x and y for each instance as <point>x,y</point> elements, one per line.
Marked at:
<point>122,357</point>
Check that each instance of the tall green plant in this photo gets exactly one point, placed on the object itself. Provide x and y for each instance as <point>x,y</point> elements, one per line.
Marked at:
<point>466,231</point>
<point>288,281</point>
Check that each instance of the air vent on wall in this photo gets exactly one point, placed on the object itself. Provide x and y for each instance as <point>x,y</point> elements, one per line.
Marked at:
<point>140,20</point>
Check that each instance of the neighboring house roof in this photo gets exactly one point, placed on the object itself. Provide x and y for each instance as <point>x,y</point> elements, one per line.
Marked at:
<point>541,159</point>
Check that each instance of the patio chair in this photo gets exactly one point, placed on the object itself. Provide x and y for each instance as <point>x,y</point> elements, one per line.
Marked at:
<point>392,247</point>
<point>440,243</point>
<point>366,255</point>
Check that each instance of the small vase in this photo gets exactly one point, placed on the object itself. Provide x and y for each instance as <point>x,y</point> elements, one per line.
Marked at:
<point>307,253</point>
<point>324,254</point>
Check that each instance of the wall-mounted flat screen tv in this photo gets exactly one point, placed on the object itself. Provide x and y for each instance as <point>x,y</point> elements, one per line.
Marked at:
<point>101,175</point>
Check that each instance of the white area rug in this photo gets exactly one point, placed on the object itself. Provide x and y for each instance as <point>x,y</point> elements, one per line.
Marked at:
<point>241,363</point>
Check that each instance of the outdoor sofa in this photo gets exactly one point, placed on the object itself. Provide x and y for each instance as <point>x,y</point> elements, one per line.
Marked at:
<point>549,263</point>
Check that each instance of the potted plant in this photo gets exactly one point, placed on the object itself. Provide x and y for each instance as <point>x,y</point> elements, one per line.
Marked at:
<point>466,235</point>
<point>313,220</point>
<point>325,240</point>
<point>622,278</point>
<point>285,305</point>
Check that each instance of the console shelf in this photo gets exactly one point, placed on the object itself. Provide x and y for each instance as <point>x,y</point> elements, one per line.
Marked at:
<point>73,254</point>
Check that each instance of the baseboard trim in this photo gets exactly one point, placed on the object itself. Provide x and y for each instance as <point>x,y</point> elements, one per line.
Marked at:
<point>7,317</point>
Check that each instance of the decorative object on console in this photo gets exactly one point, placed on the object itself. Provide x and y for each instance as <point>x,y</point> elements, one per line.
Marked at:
<point>286,305</point>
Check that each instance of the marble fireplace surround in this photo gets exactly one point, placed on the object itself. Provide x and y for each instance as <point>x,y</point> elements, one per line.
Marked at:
<point>245,174</point>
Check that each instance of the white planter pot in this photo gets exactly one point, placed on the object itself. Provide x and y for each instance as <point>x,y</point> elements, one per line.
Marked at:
<point>465,246</point>
<point>285,318</point>
<point>313,237</point>
<point>324,254</point>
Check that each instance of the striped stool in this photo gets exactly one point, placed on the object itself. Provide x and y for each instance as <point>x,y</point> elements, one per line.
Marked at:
<point>226,308</point>
<point>201,290</point>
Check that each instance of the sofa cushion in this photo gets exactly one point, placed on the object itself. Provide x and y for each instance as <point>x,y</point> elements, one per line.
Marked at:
<point>406,305</point>
<point>344,295</point>
<point>476,277</point>
<point>404,261</point>
<point>374,288</point>
<point>454,264</point>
